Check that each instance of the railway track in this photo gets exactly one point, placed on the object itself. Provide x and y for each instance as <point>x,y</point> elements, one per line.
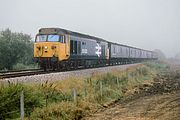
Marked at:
<point>41,76</point>
<point>29,72</point>
<point>19,73</point>
<point>13,71</point>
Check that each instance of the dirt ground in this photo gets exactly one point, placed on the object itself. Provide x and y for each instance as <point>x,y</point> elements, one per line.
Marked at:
<point>157,101</point>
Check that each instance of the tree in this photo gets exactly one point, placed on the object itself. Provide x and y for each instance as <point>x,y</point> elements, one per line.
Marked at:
<point>14,48</point>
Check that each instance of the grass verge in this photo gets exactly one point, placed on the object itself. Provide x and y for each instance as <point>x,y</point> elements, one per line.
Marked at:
<point>75,98</point>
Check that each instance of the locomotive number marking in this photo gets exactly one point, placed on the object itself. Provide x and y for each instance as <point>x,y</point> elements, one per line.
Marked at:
<point>84,51</point>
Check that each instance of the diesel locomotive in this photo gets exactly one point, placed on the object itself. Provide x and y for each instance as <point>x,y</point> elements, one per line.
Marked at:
<point>59,49</point>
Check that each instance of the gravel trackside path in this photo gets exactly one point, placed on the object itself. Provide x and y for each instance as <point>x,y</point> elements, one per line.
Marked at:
<point>64,75</point>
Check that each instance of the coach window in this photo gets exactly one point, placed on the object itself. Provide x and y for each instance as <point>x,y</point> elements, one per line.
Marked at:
<point>119,49</point>
<point>114,50</point>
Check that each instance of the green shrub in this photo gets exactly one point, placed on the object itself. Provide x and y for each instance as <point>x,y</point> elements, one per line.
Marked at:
<point>21,66</point>
<point>10,100</point>
<point>58,111</point>
<point>157,65</point>
<point>36,96</point>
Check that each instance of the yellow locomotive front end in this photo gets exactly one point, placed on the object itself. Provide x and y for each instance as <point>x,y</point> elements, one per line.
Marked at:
<point>50,48</point>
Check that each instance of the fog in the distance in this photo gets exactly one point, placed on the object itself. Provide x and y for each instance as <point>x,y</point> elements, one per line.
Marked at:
<point>148,24</point>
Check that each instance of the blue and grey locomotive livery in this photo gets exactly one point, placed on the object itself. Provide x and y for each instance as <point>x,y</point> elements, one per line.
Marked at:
<point>58,49</point>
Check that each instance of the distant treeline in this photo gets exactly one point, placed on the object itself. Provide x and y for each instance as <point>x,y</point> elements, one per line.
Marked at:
<point>16,50</point>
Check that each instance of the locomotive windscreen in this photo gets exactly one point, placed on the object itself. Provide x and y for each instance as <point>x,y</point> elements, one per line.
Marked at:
<point>49,38</point>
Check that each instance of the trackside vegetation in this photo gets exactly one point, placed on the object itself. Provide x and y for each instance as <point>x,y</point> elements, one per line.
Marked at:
<point>74,98</point>
<point>16,51</point>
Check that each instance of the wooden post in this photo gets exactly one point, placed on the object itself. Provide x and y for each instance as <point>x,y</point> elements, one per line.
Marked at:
<point>46,99</point>
<point>75,96</point>
<point>22,105</point>
<point>117,82</point>
<point>101,87</point>
<point>127,74</point>
<point>85,92</point>
<point>140,71</point>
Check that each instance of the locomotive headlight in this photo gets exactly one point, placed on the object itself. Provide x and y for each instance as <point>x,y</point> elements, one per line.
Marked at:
<point>46,47</point>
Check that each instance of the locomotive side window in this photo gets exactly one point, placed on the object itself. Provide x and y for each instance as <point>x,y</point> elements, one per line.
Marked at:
<point>83,43</point>
<point>41,38</point>
<point>71,46</point>
<point>62,39</point>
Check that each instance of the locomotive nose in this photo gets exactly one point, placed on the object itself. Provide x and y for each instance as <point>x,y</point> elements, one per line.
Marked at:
<point>47,50</point>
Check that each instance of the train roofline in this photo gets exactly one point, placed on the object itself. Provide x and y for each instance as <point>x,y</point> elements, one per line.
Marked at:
<point>89,36</point>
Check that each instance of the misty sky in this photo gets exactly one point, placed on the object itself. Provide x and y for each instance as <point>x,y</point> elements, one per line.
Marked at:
<point>148,24</point>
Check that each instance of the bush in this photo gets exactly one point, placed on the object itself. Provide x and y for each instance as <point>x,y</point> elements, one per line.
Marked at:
<point>10,100</point>
<point>21,66</point>
<point>58,111</point>
<point>36,96</point>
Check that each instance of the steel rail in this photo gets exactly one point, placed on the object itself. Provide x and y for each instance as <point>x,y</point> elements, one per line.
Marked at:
<point>11,71</point>
<point>40,71</point>
<point>20,73</point>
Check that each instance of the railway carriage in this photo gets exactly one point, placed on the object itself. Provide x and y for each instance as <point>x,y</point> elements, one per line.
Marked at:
<point>119,53</point>
<point>57,48</point>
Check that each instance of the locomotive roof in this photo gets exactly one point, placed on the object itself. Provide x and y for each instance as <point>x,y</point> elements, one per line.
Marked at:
<point>60,30</point>
<point>64,31</point>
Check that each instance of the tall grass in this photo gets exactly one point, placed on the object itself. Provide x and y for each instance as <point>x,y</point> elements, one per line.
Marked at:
<point>93,92</point>
<point>49,101</point>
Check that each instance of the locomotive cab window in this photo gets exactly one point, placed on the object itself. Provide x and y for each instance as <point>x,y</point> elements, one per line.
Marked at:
<point>54,38</point>
<point>41,38</point>
<point>50,38</point>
